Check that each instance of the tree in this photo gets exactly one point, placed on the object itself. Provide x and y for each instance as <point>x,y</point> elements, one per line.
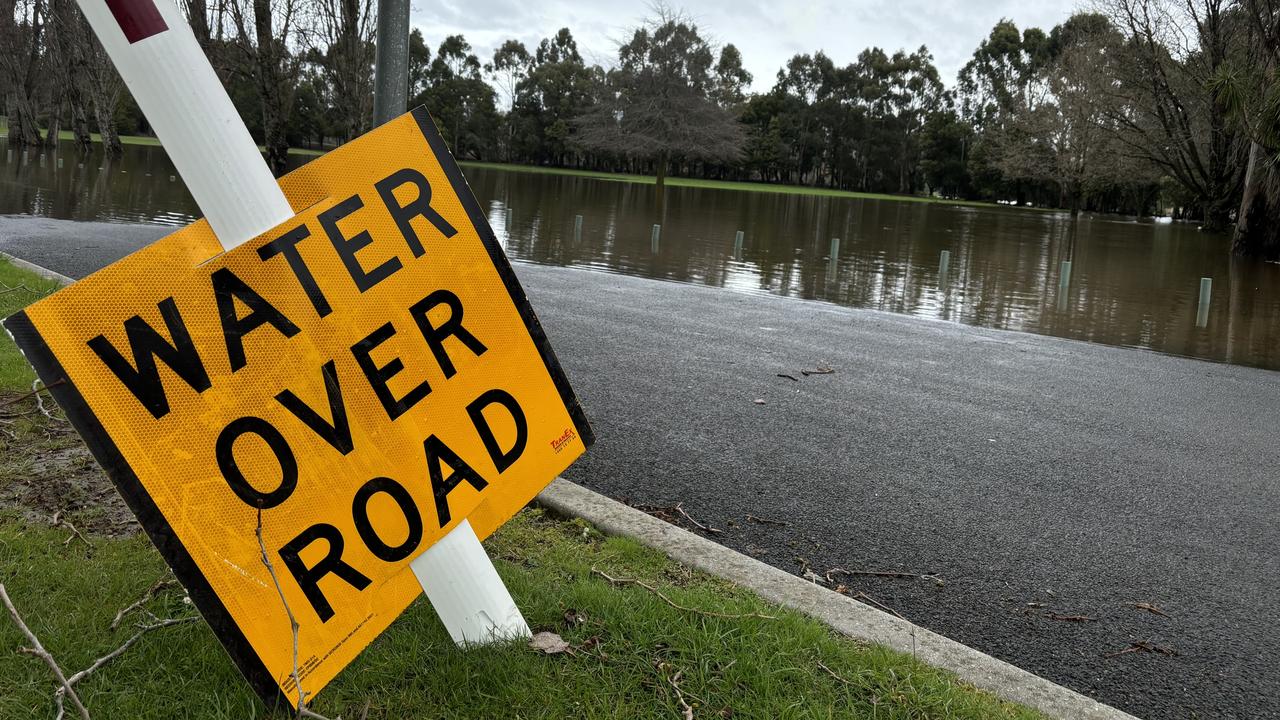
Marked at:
<point>1165,109</point>
<point>459,98</point>
<point>945,140</point>
<point>22,25</point>
<point>658,104</point>
<point>1250,94</point>
<point>265,33</point>
<point>1065,139</point>
<point>346,28</point>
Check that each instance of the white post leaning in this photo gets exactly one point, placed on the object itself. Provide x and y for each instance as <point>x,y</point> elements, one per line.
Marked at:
<point>181,96</point>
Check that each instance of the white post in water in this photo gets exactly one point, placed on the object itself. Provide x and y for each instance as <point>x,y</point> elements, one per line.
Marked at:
<point>1064,284</point>
<point>835,250</point>
<point>737,245</point>
<point>175,86</point>
<point>944,264</point>
<point>653,238</point>
<point>577,229</point>
<point>1206,294</point>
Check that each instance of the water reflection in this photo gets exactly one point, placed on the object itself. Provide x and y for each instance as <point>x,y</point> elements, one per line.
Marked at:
<point>1100,279</point>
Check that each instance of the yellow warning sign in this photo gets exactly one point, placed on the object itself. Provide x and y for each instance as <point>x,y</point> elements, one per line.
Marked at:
<point>359,379</point>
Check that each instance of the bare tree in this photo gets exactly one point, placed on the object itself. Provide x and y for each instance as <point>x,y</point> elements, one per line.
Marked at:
<point>266,35</point>
<point>346,28</point>
<point>71,41</point>
<point>22,24</point>
<point>1164,108</point>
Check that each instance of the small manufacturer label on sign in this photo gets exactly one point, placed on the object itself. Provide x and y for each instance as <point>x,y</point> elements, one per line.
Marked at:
<point>366,375</point>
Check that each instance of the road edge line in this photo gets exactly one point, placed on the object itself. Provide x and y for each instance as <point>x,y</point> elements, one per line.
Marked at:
<point>843,614</point>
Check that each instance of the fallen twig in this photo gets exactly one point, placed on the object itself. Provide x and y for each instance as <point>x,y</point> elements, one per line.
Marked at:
<point>38,650</point>
<point>142,630</point>
<point>833,674</point>
<point>40,403</point>
<point>680,509</point>
<point>873,573</point>
<point>75,533</point>
<point>1149,607</point>
<point>165,581</point>
<point>34,391</point>
<point>672,603</point>
<point>293,622</point>
<point>1143,646</point>
<point>820,370</point>
<point>685,707</point>
<point>767,521</point>
<point>1069,618</point>
<point>877,603</point>
<point>789,377</point>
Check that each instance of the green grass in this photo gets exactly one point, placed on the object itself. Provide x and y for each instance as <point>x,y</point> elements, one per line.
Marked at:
<point>18,288</point>
<point>629,645</point>
<point>725,184</point>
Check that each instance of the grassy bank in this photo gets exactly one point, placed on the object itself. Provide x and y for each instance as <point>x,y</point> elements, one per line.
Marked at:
<point>724,184</point>
<point>18,288</point>
<point>703,649</point>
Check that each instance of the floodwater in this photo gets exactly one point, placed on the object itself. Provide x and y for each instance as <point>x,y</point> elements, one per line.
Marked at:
<point>1129,283</point>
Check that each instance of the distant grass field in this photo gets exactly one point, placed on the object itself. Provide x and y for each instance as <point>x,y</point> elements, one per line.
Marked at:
<point>630,178</point>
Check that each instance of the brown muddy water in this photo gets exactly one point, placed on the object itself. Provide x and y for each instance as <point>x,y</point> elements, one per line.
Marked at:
<point>1130,283</point>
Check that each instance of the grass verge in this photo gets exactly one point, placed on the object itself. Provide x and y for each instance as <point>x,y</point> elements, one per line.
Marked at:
<point>630,650</point>
<point>18,289</point>
<point>632,654</point>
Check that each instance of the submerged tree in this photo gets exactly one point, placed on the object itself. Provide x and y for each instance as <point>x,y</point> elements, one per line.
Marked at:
<point>659,103</point>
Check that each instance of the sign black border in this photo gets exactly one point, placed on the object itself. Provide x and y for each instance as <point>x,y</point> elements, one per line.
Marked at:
<point>104,449</point>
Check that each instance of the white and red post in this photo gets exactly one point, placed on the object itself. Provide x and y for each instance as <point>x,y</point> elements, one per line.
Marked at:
<point>175,86</point>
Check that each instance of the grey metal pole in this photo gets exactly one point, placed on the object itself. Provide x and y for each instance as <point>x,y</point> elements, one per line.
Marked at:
<point>391,61</point>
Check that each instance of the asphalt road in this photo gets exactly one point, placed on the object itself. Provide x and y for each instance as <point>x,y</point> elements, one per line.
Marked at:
<point>1038,478</point>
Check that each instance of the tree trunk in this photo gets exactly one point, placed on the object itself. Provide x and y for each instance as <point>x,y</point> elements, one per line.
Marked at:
<point>22,120</point>
<point>55,127</point>
<point>1257,231</point>
<point>661,172</point>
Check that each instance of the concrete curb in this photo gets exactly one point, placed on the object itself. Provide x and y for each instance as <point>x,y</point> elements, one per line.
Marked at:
<point>43,272</point>
<point>844,614</point>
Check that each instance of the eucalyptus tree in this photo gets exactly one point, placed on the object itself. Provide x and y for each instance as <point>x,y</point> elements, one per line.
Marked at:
<point>459,99</point>
<point>659,102</point>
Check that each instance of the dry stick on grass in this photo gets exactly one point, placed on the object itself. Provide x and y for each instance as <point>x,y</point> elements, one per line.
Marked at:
<point>685,708</point>
<point>293,623</point>
<point>672,603</point>
<point>75,533</point>
<point>833,674</point>
<point>165,581</point>
<point>35,391</point>
<point>680,509</point>
<point>142,630</point>
<point>38,650</point>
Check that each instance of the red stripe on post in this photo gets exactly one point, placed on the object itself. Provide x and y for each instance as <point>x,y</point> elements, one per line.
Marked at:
<point>139,19</point>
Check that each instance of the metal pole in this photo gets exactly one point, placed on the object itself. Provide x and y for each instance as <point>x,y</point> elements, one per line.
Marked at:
<point>391,61</point>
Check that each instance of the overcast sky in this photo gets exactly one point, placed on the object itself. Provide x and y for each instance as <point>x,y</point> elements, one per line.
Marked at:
<point>767,33</point>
